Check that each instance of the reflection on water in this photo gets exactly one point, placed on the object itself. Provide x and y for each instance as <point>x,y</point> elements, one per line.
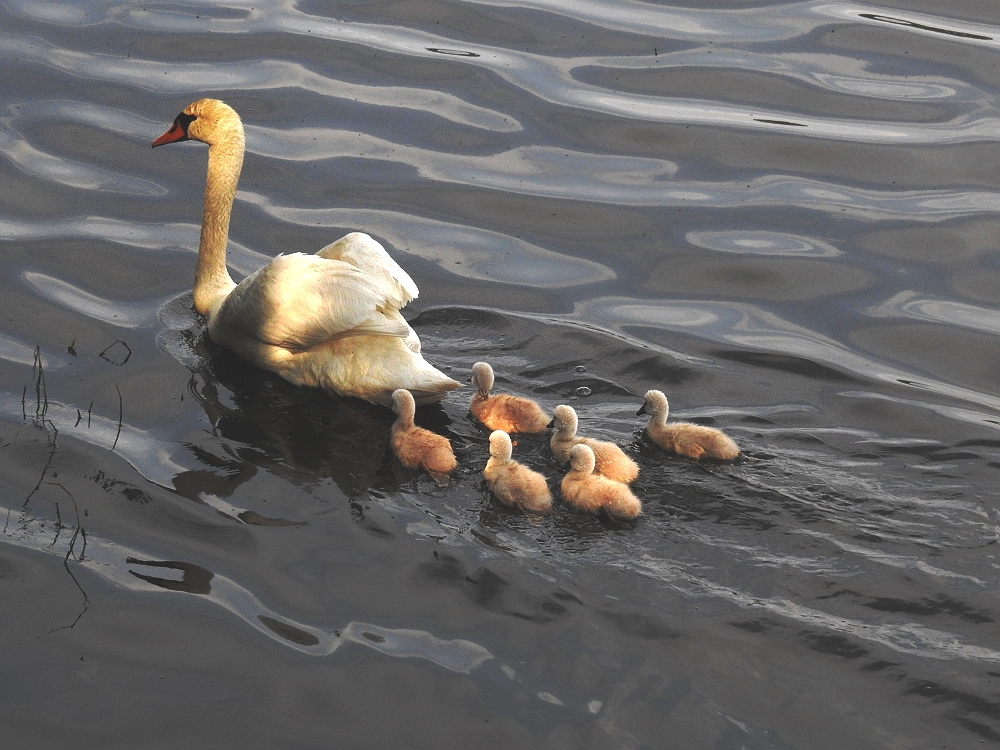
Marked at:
<point>784,216</point>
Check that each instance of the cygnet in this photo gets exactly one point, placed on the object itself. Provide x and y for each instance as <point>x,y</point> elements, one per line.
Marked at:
<point>416,447</point>
<point>694,440</point>
<point>611,460</point>
<point>503,412</point>
<point>590,492</point>
<point>513,483</point>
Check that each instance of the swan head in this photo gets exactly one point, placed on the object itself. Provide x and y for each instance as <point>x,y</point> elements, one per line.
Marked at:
<point>655,403</point>
<point>581,458</point>
<point>500,445</point>
<point>482,377</point>
<point>207,120</point>
<point>564,419</point>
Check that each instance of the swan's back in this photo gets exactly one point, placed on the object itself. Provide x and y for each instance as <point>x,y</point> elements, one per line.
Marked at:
<point>324,323</point>
<point>361,251</point>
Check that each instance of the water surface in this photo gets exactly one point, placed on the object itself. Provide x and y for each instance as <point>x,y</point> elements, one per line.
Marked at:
<point>782,215</point>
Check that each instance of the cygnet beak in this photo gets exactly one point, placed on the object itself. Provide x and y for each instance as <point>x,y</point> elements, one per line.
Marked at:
<point>552,423</point>
<point>642,410</point>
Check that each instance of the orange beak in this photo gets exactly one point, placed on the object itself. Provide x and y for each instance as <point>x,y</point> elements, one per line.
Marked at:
<point>176,133</point>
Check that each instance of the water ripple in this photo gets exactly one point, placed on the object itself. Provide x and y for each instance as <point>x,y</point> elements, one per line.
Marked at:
<point>128,233</point>
<point>151,456</point>
<point>911,305</point>
<point>116,312</point>
<point>461,250</point>
<point>749,326</point>
<point>125,567</point>
<point>249,75</point>
<point>542,77</point>
<point>37,163</point>
<point>530,170</point>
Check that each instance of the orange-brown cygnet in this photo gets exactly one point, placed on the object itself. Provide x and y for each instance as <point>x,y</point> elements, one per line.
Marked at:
<point>513,483</point>
<point>694,440</point>
<point>416,447</point>
<point>611,460</point>
<point>590,492</point>
<point>503,412</point>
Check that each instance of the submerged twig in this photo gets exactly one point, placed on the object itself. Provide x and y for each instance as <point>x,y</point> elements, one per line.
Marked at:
<point>41,394</point>
<point>59,525</point>
<point>104,355</point>
<point>79,532</point>
<point>118,434</point>
<point>42,422</point>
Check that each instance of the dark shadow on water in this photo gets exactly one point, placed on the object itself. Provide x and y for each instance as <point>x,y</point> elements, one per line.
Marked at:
<point>300,434</point>
<point>194,578</point>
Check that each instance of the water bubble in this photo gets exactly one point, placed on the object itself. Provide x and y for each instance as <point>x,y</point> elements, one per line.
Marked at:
<point>583,391</point>
<point>581,368</point>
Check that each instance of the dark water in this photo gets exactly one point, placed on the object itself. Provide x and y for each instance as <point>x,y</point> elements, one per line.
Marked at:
<point>785,216</point>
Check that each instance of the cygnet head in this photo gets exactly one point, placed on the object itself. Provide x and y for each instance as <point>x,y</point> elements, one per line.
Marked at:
<point>655,404</point>
<point>207,120</point>
<point>403,403</point>
<point>581,458</point>
<point>482,377</point>
<point>564,418</point>
<point>500,445</point>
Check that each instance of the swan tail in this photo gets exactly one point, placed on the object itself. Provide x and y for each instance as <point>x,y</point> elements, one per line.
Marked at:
<point>371,368</point>
<point>428,384</point>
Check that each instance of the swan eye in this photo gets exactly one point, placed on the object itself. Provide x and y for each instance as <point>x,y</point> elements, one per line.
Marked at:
<point>184,120</point>
<point>178,131</point>
<point>181,124</point>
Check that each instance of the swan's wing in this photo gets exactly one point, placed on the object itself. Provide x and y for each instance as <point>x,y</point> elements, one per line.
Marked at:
<point>362,252</point>
<point>299,301</point>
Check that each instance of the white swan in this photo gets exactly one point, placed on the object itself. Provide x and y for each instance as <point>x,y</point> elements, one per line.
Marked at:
<point>329,320</point>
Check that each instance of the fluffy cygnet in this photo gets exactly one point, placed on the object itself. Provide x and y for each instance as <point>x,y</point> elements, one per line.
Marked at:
<point>590,492</point>
<point>503,412</point>
<point>694,440</point>
<point>611,460</point>
<point>416,447</point>
<point>513,483</point>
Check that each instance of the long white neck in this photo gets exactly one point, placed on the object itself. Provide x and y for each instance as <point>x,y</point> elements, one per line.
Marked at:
<point>212,282</point>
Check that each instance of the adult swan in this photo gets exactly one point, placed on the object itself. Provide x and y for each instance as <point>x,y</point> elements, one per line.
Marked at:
<point>329,320</point>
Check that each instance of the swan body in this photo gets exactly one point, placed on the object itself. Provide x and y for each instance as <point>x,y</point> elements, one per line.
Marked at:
<point>329,320</point>
<point>590,492</point>
<point>503,412</point>
<point>513,483</point>
<point>693,440</point>
<point>611,460</point>
<point>416,447</point>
